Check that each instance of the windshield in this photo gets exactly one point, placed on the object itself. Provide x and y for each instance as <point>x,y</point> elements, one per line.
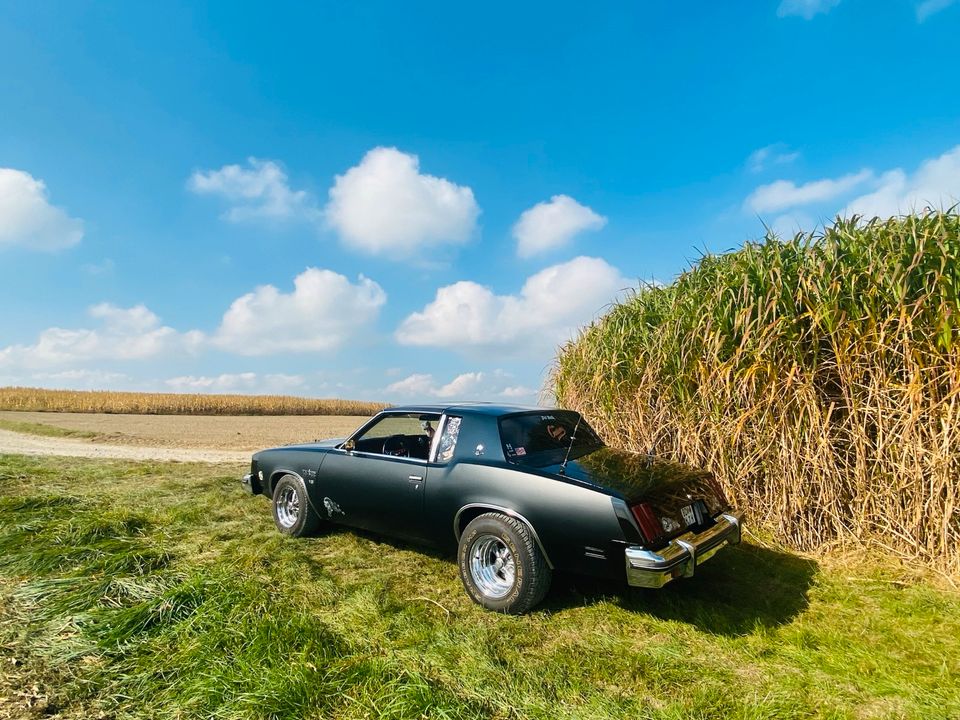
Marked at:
<point>544,437</point>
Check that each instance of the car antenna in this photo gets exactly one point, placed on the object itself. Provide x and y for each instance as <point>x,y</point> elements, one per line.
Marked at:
<point>563,465</point>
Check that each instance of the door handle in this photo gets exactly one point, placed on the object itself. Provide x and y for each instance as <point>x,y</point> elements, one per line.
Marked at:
<point>415,478</point>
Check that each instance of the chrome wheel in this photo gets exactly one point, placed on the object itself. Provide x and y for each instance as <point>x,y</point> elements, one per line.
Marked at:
<point>492,567</point>
<point>288,506</point>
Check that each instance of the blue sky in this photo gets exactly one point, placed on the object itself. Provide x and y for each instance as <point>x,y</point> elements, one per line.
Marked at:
<point>409,201</point>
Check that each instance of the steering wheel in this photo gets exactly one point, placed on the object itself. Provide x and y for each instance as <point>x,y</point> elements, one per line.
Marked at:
<point>396,445</point>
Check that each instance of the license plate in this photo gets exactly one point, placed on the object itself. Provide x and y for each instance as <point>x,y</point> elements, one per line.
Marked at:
<point>689,516</point>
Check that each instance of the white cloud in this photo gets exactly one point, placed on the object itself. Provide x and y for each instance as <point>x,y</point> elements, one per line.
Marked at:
<point>806,9</point>
<point>386,206</point>
<point>935,184</point>
<point>323,310</point>
<point>124,334</point>
<point>550,225</point>
<point>27,219</point>
<point>260,191</point>
<point>69,379</point>
<point>930,7</point>
<point>466,386</point>
<point>242,383</point>
<point>791,223</point>
<point>766,157</point>
<point>784,194</point>
<point>549,309</point>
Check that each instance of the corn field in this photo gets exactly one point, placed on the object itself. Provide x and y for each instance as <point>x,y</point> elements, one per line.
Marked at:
<point>817,377</point>
<point>81,401</point>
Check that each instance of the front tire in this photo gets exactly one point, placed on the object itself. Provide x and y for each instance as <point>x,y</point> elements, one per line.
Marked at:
<point>292,512</point>
<point>501,566</point>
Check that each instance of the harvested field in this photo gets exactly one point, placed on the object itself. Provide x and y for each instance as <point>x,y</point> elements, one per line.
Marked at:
<point>219,432</point>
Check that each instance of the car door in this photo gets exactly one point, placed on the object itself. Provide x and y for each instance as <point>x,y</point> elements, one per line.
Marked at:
<point>370,489</point>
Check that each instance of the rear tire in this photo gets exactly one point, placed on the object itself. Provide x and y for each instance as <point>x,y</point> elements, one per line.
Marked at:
<point>501,566</point>
<point>292,512</point>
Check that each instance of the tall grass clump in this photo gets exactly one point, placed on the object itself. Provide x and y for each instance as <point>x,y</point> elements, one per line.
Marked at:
<point>102,401</point>
<point>817,377</point>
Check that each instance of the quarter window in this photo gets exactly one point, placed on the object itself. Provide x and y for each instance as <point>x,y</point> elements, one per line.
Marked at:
<point>448,439</point>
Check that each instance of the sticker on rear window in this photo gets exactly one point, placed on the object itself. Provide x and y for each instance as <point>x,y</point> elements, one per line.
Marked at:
<point>521,451</point>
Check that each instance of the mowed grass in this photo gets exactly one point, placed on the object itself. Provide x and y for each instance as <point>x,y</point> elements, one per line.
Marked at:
<point>161,590</point>
<point>44,430</point>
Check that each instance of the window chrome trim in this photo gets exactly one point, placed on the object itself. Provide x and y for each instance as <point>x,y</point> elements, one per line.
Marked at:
<point>435,442</point>
<point>361,453</point>
<point>505,511</point>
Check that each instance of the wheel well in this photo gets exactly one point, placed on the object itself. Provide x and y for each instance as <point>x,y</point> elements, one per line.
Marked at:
<point>467,514</point>
<point>470,514</point>
<point>274,476</point>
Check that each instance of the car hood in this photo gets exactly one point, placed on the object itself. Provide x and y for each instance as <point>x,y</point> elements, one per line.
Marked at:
<point>315,445</point>
<point>637,477</point>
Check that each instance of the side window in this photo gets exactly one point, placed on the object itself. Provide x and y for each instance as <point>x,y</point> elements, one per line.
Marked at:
<point>448,439</point>
<point>400,435</point>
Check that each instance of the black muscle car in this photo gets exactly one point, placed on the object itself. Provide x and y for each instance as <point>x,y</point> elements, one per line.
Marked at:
<point>519,491</point>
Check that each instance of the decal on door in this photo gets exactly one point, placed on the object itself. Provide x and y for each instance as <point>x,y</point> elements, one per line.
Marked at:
<point>332,508</point>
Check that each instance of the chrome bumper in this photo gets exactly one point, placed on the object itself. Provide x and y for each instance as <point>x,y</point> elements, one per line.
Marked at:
<point>682,556</point>
<point>250,484</point>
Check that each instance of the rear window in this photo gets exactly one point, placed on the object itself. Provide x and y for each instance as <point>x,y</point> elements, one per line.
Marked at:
<point>539,437</point>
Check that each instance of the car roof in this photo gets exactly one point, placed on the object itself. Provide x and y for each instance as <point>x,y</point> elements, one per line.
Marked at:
<point>468,408</point>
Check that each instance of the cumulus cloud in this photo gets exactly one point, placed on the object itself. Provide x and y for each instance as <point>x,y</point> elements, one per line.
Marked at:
<point>930,7</point>
<point>241,383</point>
<point>123,334</point>
<point>806,9</point>
<point>259,191</point>
<point>385,206</point>
<point>69,379</point>
<point>935,184</point>
<point>550,307</point>
<point>323,310</point>
<point>769,156</point>
<point>466,386</point>
<point>784,194</point>
<point>793,222</point>
<point>27,219</point>
<point>550,225</point>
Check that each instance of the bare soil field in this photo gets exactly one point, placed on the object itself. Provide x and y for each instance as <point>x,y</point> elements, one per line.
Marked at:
<point>207,432</point>
<point>15,443</point>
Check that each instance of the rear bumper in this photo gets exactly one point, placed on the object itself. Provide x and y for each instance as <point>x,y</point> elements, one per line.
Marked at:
<point>682,556</point>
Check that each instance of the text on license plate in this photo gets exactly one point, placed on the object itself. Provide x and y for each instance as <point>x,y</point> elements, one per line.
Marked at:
<point>689,516</point>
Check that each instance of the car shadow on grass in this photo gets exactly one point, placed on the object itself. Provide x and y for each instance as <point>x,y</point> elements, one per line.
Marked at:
<point>740,589</point>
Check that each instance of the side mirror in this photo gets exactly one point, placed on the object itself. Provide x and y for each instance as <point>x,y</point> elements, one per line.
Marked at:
<point>349,445</point>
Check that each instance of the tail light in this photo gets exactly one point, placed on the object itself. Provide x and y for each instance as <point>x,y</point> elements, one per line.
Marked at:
<point>648,522</point>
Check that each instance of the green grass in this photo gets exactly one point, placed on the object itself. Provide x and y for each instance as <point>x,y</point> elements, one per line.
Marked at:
<point>45,430</point>
<point>161,590</point>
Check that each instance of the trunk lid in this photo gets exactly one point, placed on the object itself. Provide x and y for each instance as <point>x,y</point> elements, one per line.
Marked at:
<point>672,490</point>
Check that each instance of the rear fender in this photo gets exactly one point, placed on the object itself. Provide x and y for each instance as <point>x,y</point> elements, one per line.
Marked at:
<point>469,512</point>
